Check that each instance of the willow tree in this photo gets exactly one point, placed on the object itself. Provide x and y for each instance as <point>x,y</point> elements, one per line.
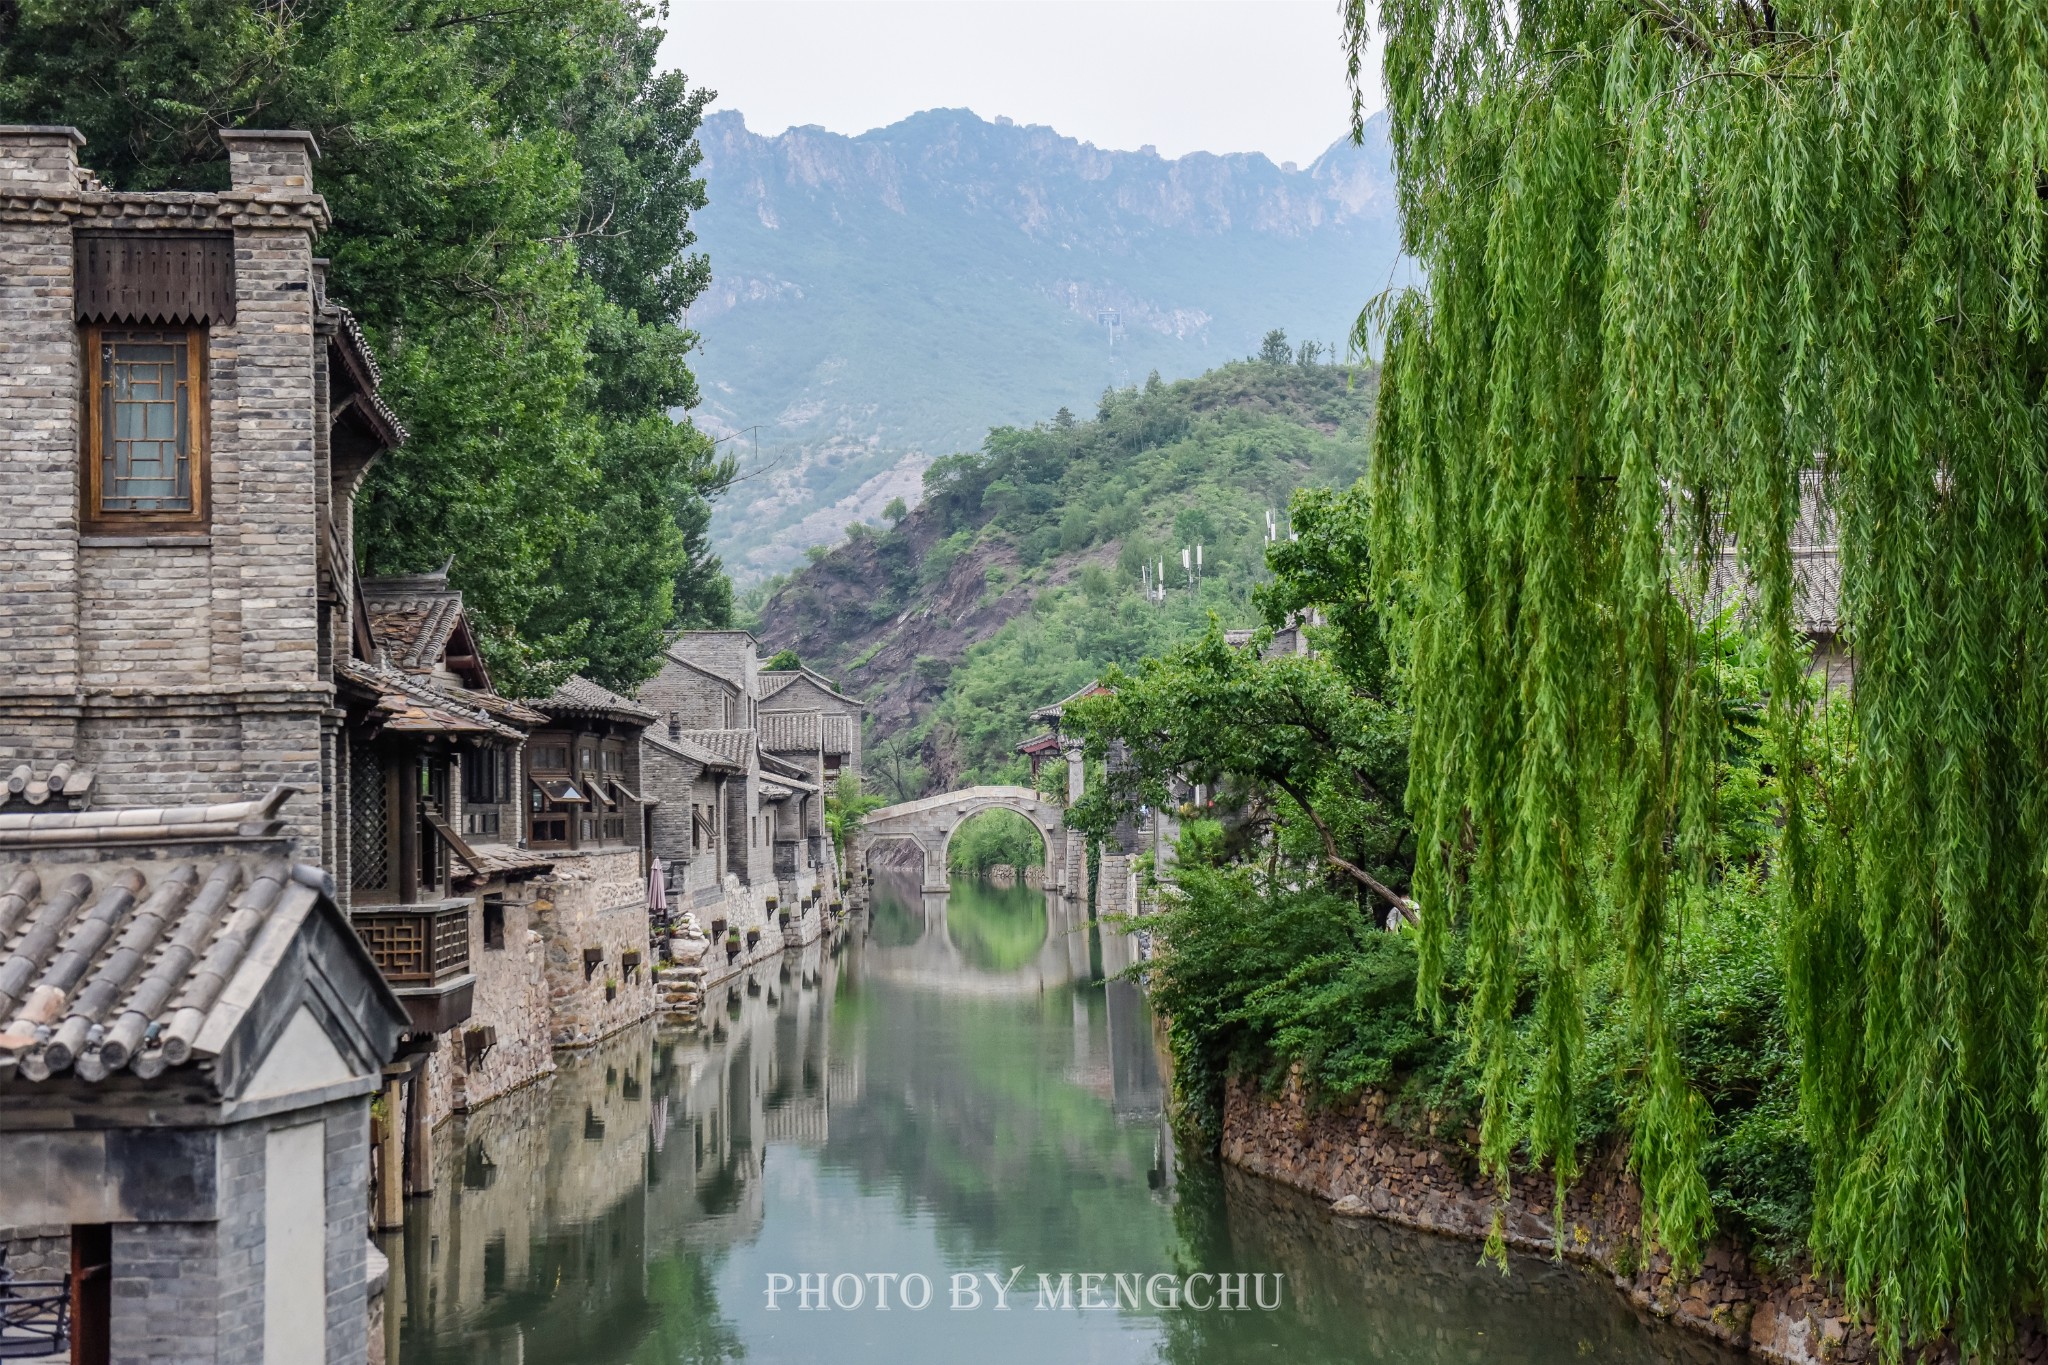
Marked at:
<point>1683,262</point>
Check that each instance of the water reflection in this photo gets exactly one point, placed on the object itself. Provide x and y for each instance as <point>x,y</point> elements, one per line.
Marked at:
<point>952,1086</point>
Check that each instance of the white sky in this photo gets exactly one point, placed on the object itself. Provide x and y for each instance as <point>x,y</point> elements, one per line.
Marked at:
<point>1180,75</point>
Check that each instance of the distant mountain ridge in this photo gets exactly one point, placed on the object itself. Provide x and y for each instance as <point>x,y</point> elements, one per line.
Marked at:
<point>880,300</point>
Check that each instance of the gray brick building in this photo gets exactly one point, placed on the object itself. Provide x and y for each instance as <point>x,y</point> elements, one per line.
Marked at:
<point>190,1033</point>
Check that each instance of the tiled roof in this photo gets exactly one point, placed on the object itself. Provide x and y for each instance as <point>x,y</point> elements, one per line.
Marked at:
<point>504,708</point>
<point>405,703</point>
<point>581,697</point>
<point>773,680</point>
<point>735,747</point>
<point>149,959</point>
<point>502,860</point>
<point>782,767</point>
<point>701,671</point>
<point>774,791</point>
<point>685,748</point>
<point>356,352</point>
<point>1816,568</point>
<point>412,616</point>
<point>1045,743</point>
<point>64,780</point>
<point>1058,708</point>
<point>801,732</point>
<point>73,828</point>
<point>790,731</point>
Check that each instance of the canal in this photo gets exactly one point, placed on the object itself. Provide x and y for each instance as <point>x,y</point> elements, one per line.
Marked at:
<point>950,1087</point>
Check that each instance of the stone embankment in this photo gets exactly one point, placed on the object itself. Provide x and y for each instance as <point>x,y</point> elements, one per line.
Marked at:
<point>1367,1166</point>
<point>697,963</point>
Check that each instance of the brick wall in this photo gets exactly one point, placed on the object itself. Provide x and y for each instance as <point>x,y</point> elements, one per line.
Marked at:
<point>187,1293</point>
<point>692,700</point>
<point>39,439</point>
<point>182,666</point>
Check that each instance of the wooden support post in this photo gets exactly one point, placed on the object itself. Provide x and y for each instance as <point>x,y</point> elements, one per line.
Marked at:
<point>419,1134</point>
<point>390,1210</point>
<point>409,829</point>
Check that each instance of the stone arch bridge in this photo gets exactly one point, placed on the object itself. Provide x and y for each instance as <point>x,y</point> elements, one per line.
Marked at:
<point>930,822</point>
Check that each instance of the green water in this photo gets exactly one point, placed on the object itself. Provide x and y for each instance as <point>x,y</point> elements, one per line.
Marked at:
<point>949,1088</point>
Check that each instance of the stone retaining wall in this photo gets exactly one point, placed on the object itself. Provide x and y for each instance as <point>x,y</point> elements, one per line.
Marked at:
<point>1366,1166</point>
<point>594,900</point>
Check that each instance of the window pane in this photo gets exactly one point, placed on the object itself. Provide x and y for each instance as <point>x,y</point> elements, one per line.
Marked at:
<point>145,421</point>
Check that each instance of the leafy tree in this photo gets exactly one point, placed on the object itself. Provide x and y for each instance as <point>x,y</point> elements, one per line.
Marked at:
<point>896,511</point>
<point>1292,724</point>
<point>510,190</point>
<point>996,836</point>
<point>896,766</point>
<point>1274,350</point>
<point>846,807</point>
<point>1701,274</point>
<point>782,661</point>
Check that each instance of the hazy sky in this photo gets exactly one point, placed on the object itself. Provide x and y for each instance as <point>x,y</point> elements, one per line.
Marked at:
<point>1182,75</point>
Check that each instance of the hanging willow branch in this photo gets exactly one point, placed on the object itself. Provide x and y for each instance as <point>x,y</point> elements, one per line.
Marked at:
<point>1691,270</point>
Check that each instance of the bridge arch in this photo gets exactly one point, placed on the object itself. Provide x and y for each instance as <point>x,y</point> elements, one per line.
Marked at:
<point>931,821</point>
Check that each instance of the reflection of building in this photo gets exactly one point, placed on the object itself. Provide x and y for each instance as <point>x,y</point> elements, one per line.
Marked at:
<point>562,1198</point>
<point>1135,1087</point>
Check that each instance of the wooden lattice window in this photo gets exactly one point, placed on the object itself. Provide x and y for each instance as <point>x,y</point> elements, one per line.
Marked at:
<point>415,948</point>
<point>399,944</point>
<point>369,821</point>
<point>145,426</point>
<point>451,942</point>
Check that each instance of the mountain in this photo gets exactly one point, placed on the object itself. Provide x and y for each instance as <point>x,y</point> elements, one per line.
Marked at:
<point>881,300</point>
<point>1023,573</point>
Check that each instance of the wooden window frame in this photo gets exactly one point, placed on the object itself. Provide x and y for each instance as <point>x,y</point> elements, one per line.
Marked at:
<point>92,517</point>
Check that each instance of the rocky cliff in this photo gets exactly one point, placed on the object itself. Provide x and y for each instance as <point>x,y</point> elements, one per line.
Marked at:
<point>883,299</point>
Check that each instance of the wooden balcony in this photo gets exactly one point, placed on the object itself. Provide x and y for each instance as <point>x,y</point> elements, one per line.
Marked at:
<point>423,951</point>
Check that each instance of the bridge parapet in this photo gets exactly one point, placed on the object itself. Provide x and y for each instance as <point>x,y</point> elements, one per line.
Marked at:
<point>930,822</point>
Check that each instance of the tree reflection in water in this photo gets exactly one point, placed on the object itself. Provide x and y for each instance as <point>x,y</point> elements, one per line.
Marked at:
<point>951,1085</point>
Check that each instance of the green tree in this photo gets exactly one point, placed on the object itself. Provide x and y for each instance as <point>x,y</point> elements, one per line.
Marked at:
<point>1702,274</point>
<point>1274,350</point>
<point>896,511</point>
<point>510,191</point>
<point>1319,740</point>
<point>782,661</point>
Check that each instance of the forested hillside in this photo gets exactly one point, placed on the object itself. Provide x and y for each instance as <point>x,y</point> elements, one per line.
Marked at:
<point>1020,576</point>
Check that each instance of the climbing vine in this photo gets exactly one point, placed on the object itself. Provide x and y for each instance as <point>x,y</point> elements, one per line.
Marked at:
<point>1703,275</point>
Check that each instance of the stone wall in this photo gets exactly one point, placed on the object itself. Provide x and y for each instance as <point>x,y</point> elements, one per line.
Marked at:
<point>595,899</point>
<point>1367,1166</point>
<point>512,996</point>
<point>1116,885</point>
<point>37,1251</point>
